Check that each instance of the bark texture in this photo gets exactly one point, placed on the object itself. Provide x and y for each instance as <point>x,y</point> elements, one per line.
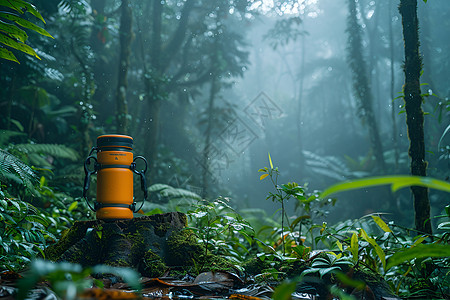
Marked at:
<point>414,112</point>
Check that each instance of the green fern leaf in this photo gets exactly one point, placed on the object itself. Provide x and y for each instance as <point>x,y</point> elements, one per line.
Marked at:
<point>172,193</point>
<point>11,166</point>
<point>55,150</point>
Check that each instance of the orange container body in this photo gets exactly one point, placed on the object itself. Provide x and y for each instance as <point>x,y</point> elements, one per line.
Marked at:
<point>115,183</point>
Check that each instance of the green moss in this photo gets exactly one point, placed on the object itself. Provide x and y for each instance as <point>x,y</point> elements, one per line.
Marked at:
<point>157,245</point>
<point>161,229</point>
<point>212,262</point>
<point>118,263</point>
<point>152,265</point>
<point>256,266</point>
<point>68,239</point>
<point>293,268</point>
<point>138,243</point>
<point>285,269</point>
<point>183,249</point>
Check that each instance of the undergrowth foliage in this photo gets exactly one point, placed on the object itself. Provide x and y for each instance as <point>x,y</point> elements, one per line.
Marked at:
<point>298,251</point>
<point>32,212</point>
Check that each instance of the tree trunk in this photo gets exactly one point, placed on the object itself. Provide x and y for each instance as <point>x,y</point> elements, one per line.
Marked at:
<point>126,35</point>
<point>206,150</point>
<point>392,87</point>
<point>153,88</point>
<point>301,157</point>
<point>361,84</point>
<point>414,113</point>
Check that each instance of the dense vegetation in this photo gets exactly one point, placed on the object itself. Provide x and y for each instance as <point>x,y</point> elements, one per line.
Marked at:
<point>175,75</point>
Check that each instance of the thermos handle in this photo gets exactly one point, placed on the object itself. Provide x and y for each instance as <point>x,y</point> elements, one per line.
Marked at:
<point>143,180</point>
<point>87,178</point>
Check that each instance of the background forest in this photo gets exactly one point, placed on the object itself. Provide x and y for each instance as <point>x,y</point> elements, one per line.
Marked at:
<point>208,88</point>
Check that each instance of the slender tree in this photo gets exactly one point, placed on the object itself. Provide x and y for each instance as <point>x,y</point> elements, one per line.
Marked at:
<point>361,85</point>
<point>126,35</point>
<point>414,113</point>
<point>214,89</point>
<point>392,87</point>
<point>155,77</point>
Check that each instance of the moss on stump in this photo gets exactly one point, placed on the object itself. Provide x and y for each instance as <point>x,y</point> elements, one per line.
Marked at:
<point>150,244</point>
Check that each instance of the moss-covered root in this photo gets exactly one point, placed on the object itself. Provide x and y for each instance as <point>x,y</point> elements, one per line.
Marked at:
<point>184,250</point>
<point>73,235</point>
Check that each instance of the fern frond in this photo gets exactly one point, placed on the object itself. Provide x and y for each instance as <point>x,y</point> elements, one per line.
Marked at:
<point>55,150</point>
<point>170,192</point>
<point>329,166</point>
<point>11,166</point>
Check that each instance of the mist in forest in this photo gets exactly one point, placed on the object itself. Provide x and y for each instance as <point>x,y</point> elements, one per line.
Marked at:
<point>207,89</point>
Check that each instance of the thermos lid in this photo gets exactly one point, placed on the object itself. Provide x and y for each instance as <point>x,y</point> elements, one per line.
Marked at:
<point>115,140</point>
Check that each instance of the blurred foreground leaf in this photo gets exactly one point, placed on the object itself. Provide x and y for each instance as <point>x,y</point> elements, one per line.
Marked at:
<point>396,182</point>
<point>419,251</point>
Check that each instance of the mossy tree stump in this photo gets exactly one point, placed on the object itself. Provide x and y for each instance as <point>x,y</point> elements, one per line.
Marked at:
<point>149,244</point>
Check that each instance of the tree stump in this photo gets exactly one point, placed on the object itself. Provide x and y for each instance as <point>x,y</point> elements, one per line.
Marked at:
<point>148,244</point>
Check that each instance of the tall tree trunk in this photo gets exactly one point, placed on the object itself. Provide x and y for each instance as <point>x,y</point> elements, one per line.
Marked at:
<point>392,87</point>
<point>152,86</point>
<point>104,75</point>
<point>206,150</point>
<point>301,157</point>
<point>361,84</point>
<point>126,35</point>
<point>154,77</point>
<point>414,112</point>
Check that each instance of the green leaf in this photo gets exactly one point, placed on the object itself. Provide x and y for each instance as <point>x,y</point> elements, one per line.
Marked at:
<point>130,276</point>
<point>6,40</point>
<point>24,23</point>
<point>325,271</point>
<point>284,291</point>
<point>339,244</point>
<point>298,219</point>
<point>270,161</point>
<point>336,291</point>
<point>419,251</point>
<point>420,240</point>
<point>354,246</point>
<point>13,31</point>
<point>444,226</point>
<point>381,223</point>
<point>377,248</point>
<point>21,6</point>
<point>442,136</point>
<point>15,122</point>
<point>154,212</point>
<point>6,54</point>
<point>73,206</point>
<point>358,284</point>
<point>397,182</point>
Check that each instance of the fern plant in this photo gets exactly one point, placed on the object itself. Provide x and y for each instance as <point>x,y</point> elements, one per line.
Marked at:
<point>13,169</point>
<point>11,35</point>
<point>38,154</point>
